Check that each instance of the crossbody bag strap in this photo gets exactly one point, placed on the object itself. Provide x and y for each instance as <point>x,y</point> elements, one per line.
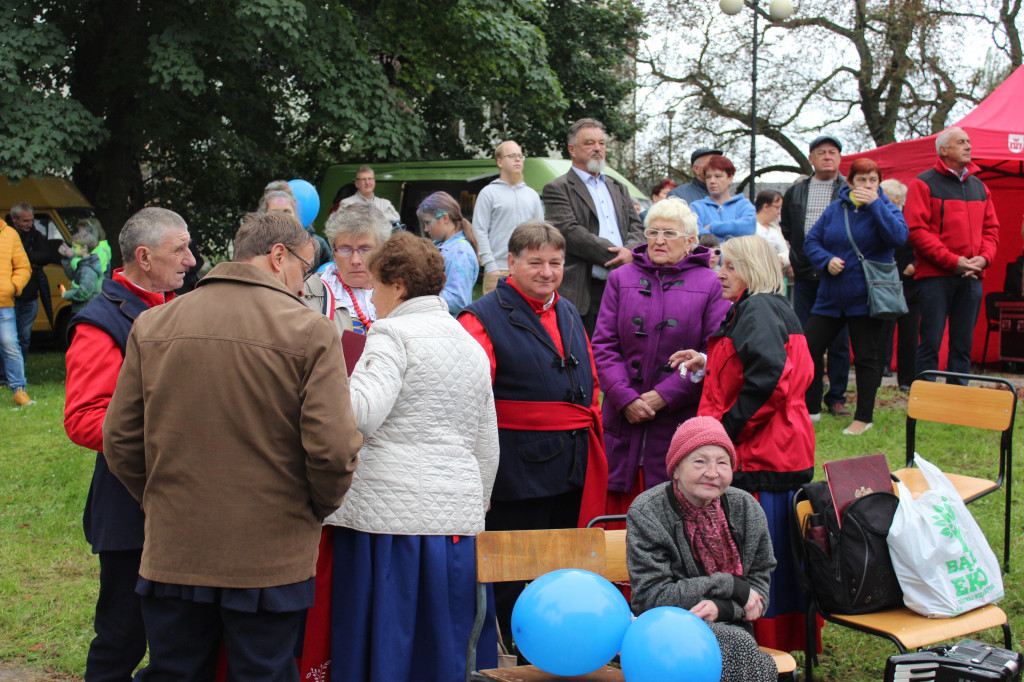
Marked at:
<point>849,233</point>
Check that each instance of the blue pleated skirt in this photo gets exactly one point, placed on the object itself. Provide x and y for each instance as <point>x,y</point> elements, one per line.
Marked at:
<point>403,606</point>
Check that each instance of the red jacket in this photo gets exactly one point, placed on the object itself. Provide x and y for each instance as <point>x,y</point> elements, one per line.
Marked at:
<point>757,375</point>
<point>948,218</point>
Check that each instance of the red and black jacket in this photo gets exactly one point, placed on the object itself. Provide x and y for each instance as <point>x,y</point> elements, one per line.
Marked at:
<point>757,375</point>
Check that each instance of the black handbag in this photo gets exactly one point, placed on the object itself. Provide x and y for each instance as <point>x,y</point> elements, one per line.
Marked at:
<point>885,290</point>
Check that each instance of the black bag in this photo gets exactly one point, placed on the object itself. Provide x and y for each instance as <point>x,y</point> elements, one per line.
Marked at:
<point>885,290</point>
<point>849,568</point>
<point>968,661</point>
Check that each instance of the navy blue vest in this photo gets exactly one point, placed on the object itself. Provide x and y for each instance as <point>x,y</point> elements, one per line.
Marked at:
<point>113,520</point>
<point>529,368</point>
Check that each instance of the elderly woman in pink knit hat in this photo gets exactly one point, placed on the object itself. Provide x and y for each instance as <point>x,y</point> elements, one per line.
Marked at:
<point>699,544</point>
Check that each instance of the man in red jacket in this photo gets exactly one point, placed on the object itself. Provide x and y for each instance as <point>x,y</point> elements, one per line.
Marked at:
<point>955,234</point>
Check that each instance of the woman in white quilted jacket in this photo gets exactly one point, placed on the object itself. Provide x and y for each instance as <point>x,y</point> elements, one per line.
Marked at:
<point>404,581</point>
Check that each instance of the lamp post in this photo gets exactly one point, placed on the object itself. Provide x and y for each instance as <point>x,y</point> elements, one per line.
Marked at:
<point>777,11</point>
<point>671,113</point>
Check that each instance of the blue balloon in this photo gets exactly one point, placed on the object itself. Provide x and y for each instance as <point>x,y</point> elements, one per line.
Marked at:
<point>669,644</point>
<point>570,622</point>
<point>307,199</point>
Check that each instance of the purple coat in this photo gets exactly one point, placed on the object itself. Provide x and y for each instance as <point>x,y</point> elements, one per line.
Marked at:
<point>640,325</point>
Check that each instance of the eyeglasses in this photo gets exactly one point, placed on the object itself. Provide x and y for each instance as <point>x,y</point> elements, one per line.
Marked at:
<point>346,252</point>
<point>309,267</point>
<point>514,157</point>
<point>667,234</point>
<point>369,179</point>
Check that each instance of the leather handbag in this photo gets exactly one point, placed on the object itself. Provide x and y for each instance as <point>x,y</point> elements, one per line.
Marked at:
<point>885,290</point>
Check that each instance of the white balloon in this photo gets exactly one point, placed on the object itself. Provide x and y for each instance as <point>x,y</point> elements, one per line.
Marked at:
<point>731,7</point>
<point>780,9</point>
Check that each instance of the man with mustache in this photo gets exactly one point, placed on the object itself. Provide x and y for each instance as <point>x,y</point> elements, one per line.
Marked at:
<point>596,215</point>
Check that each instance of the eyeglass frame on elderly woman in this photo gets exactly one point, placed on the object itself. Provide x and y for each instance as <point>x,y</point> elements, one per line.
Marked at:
<point>651,233</point>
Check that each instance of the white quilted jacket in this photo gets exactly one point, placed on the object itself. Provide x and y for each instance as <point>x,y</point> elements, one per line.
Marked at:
<point>422,397</point>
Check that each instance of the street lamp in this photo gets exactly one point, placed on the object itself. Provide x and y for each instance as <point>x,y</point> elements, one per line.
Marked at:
<point>777,11</point>
<point>671,113</point>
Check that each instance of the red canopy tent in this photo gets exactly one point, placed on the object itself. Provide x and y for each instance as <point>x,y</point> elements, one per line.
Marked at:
<point>996,127</point>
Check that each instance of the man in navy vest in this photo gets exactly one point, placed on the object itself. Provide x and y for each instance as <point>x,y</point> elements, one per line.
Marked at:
<point>154,245</point>
<point>552,472</point>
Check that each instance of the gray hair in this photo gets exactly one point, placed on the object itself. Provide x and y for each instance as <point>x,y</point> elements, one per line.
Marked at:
<point>365,169</point>
<point>896,191</point>
<point>278,194</point>
<point>147,228</point>
<point>675,210</point>
<point>21,207</point>
<point>579,125</point>
<point>942,139</point>
<point>756,263</point>
<point>355,220</point>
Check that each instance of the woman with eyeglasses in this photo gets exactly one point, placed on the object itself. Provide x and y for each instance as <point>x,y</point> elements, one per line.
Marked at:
<point>352,233</point>
<point>453,235</point>
<point>667,298</point>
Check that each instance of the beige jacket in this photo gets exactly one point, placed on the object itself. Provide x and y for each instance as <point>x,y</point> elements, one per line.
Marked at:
<point>232,425</point>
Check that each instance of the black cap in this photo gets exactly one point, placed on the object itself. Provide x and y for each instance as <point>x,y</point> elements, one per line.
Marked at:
<point>822,139</point>
<point>702,152</point>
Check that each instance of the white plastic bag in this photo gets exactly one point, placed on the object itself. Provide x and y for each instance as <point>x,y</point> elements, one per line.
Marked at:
<point>942,559</point>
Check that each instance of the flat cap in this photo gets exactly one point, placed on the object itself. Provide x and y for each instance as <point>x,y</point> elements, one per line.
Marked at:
<point>822,139</point>
<point>702,152</point>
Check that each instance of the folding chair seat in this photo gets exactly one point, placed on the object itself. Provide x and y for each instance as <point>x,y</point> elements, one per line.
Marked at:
<point>903,627</point>
<point>989,409</point>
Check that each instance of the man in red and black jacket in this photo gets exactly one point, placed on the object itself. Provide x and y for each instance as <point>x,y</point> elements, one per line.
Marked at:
<point>955,234</point>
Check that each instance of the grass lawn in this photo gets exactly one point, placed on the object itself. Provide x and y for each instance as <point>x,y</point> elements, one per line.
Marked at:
<point>48,577</point>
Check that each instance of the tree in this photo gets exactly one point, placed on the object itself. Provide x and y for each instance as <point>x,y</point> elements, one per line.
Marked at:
<point>871,71</point>
<point>195,106</point>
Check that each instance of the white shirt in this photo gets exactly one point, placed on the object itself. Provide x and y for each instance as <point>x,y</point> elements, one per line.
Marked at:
<point>608,225</point>
<point>381,203</point>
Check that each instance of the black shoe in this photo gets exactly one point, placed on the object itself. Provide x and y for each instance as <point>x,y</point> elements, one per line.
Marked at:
<point>886,372</point>
<point>905,387</point>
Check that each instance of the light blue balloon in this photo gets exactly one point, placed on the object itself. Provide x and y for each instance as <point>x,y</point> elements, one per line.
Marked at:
<point>669,644</point>
<point>570,622</point>
<point>307,199</point>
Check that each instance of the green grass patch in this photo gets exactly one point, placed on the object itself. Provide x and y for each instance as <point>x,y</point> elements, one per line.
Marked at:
<point>49,578</point>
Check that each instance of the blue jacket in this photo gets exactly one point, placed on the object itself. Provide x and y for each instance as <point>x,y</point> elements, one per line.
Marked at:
<point>878,229</point>
<point>734,218</point>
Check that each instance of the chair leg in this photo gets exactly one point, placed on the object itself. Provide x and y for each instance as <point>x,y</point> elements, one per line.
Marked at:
<point>984,352</point>
<point>810,650</point>
<point>1007,637</point>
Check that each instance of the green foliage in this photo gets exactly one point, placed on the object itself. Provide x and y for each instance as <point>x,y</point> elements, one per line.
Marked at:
<point>196,105</point>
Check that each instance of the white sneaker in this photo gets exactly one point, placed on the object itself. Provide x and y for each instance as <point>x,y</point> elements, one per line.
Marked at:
<point>867,427</point>
<point>816,417</point>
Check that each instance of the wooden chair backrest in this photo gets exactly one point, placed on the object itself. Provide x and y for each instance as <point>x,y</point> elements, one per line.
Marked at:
<point>503,556</point>
<point>615,556</point>
<point>982,408</point>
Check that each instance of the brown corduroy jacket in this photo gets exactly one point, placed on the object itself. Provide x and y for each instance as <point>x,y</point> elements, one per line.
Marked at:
<point>231,423</point>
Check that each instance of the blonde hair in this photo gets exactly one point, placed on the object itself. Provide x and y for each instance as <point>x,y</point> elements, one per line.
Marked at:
<point>756,262</point>
<point>896,191</point>
<point>676,210</point>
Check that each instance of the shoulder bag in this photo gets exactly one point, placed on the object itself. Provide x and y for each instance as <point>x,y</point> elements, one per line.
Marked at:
<point>885,291</point>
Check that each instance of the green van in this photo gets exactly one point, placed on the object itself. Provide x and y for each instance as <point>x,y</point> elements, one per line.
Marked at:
<point>405,185</point>
<point>58,206</point>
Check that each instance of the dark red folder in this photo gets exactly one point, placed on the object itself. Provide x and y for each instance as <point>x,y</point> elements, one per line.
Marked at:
<point>849,479</point>
<point>352,344</point>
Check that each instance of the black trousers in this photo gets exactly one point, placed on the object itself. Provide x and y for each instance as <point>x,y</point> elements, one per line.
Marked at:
<point>120,641</point>
<point>185,641</point>
<point>597,287</point>
<point>866,337</point>
<point>556,511</point>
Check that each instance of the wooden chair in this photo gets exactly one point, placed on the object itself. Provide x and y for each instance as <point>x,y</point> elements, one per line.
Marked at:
<point>990,409</point>
<point>904,628</point>
<point>520,555</point>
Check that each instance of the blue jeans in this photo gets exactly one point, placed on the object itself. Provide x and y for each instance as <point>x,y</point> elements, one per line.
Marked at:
<point>804,294</point>
<point>957,299</point>
<point>26,313</point>
<point>14,364</point>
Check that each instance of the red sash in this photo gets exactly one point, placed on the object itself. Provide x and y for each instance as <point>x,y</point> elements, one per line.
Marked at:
<point>521,415</point>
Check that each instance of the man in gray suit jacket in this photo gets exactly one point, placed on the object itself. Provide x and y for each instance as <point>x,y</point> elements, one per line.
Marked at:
<point>596,215</point>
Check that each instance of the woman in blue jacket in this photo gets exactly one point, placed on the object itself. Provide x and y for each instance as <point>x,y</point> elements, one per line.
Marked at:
<point>720,213</point>
<point>878,227</point>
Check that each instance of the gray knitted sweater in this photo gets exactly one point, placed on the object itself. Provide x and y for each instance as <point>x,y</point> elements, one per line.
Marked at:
<point>662,570</point>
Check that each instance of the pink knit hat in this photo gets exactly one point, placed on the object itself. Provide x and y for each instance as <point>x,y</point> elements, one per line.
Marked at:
<point>695,433</point>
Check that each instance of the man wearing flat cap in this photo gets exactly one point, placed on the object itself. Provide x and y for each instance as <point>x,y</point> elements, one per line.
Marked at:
<point>695,189</point>
<point>802,205</point>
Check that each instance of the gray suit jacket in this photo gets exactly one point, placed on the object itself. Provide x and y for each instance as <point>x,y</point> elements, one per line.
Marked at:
<point>569,207</point>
